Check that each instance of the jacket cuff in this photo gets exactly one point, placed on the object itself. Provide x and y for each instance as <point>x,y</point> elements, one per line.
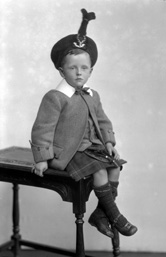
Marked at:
<point>108,136</point>
<point>42,153</point>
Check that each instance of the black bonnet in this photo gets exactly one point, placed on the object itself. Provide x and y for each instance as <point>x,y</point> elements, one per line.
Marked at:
<point>73,41</point>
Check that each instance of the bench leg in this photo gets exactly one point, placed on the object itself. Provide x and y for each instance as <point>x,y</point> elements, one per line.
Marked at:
<point>80,252</point>
<point>16,236</point>
<point>116,242</point>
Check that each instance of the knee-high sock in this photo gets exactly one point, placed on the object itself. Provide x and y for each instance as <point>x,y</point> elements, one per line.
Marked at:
<point>114,187</point>
<point>106,199</point>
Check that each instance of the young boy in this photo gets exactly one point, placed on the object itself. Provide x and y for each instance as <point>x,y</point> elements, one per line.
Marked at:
<point>72,132</point>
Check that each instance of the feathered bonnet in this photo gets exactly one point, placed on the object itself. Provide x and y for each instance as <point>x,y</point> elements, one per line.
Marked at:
<point>80,40</point>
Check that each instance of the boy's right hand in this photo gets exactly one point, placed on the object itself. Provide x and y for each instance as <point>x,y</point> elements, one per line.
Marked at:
<point>40,167</point>
<point>112,151</point>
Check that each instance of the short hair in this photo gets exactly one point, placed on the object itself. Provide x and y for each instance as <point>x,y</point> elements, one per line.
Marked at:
<point>74,51</point>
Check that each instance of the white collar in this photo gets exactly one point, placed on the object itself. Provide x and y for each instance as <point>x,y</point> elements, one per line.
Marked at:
<point>68,90</point>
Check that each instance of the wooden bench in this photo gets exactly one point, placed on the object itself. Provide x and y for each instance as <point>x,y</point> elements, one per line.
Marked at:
<point>16,167</point>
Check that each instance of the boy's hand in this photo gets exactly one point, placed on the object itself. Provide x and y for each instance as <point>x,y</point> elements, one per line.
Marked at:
<point>112,151</point>
<point>40,167</point>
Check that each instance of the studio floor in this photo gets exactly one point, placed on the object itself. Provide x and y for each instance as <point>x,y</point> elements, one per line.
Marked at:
<point>31,253</point>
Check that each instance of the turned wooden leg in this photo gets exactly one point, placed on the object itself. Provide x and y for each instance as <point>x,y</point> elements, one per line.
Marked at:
<point>116,242</point>
<point>16,236</point>
<point>80,252</point>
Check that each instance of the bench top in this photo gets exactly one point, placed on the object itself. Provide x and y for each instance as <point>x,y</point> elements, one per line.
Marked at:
<point>16,165</point>
<point>21,158</point>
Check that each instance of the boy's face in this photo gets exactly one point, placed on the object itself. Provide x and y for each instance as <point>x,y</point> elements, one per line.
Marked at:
<point>76,69</point>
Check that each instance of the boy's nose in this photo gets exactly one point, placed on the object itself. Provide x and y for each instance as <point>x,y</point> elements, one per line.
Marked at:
<point>78,71</point>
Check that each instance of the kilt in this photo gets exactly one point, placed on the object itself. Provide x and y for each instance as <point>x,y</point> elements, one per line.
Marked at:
<point>90,161</point>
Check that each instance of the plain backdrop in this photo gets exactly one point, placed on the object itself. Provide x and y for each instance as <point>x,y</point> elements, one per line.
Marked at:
<point>130,76</point>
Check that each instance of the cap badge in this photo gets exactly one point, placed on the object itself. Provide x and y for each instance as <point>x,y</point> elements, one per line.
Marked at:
<point>80,43</point>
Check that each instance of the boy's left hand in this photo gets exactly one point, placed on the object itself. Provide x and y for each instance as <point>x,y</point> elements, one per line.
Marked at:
<point>112,151</point>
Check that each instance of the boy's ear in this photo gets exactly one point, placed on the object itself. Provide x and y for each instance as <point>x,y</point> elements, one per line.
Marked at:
<point>61,72</point>
<point>91,70</point>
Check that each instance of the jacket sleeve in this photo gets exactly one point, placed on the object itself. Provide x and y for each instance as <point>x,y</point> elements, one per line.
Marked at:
<point>42,134</point>
<point>105,124</point>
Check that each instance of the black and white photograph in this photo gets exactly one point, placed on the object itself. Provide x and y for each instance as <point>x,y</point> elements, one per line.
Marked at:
<point>82,128</point>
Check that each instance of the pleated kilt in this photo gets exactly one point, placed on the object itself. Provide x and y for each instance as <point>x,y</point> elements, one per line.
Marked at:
<point>90,161</point>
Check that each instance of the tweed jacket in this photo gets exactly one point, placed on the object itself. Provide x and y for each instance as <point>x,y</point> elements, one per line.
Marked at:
<point>61,123</point>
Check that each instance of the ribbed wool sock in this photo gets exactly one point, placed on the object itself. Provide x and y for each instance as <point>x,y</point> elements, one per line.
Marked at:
<point>114,186</point>
<point>104,194</point>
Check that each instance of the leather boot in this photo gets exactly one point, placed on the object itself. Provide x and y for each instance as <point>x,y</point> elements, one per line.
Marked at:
<point>104,194</point>
<point>99,220</point>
